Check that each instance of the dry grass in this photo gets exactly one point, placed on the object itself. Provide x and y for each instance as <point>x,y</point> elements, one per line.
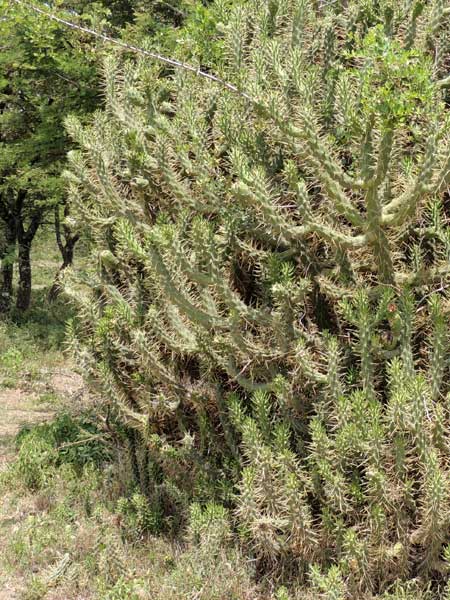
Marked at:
<point>64,541</point>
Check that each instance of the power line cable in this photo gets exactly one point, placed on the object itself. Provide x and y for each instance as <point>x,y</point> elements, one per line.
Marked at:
<point>135,49</point>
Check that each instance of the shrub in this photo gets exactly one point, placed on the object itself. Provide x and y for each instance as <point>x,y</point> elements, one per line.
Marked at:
<point>45,447</point>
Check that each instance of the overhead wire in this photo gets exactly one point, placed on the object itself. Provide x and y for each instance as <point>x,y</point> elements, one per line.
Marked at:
<point>137,50</point>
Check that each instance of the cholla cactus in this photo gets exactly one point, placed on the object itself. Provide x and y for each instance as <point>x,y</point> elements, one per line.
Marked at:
<point>371,488</point>
<point>259,261</point>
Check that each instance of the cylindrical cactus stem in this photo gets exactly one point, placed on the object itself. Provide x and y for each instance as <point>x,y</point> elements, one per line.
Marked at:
<point>377,237</point>
<point>367,150</point>
<point>334,384</point>
<point>438,15</point>
<point>407,318</point>
<point>359,313</point>
<point>404,205</point>
<point>197,315</point>
<point>439,346</point>
<point>411,32</point>
<point>443,177</point>
<point>366,357</point>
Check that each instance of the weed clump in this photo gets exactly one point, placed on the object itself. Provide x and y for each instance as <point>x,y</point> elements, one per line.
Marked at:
<point>43,449</point>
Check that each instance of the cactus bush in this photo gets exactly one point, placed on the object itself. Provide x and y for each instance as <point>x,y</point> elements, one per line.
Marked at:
<point>265,312</point>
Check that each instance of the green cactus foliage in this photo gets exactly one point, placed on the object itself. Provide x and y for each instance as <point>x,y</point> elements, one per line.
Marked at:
<point>265,312</point>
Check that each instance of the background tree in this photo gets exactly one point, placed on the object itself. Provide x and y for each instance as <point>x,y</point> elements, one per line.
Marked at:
<point>48,72</point>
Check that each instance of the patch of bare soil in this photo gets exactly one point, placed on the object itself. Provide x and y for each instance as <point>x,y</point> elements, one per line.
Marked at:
<point>8,592</point>
<point>66,383</point>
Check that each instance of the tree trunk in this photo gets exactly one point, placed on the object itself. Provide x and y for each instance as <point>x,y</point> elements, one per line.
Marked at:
<point>67,262</point>
<point>25,239</point>
<point>24,289</point>
<point>7,269</point>
<point>66,249</point>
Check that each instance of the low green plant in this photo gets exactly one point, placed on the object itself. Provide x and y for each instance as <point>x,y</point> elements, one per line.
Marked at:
<point>44,448</point>
<point>137,517</point>
<point>31,345</point>
<point>209,527</point>
<point>123,590</point>
<point>35,461</point>
<point>11,360</point>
